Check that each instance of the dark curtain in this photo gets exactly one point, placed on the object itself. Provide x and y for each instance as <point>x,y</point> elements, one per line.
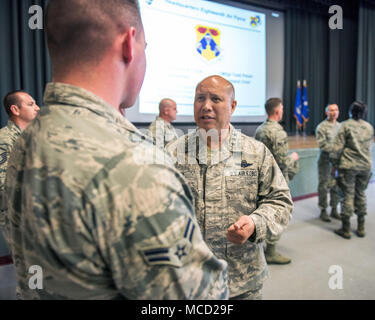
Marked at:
<point>342,67</point>
<point>325,58</point>
<point>366,59</point>
<point>24,59</point>
<point>306,58</point>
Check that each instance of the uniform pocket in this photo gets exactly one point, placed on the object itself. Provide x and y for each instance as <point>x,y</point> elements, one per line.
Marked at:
<point>241,187</point>
<point>241,195</point>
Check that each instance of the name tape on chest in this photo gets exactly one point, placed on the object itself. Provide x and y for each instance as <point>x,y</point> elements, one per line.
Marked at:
<point>253,173</point>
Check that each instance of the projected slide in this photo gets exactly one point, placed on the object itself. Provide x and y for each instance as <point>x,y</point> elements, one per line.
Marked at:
<point>188,40</point>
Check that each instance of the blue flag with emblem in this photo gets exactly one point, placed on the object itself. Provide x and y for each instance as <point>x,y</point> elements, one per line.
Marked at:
<point>298,106</point>
<point>305,103</point>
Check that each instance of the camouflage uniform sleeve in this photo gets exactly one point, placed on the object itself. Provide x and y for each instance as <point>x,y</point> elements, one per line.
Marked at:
<point>170,135</point>
<point>275,202</point>
<point>152,131</point>
<point>293,170</point>
<point>321,138</point>
<point>4,154</point>
<point>285,162</point>
<point>338,146</point>
<point>153,244</point>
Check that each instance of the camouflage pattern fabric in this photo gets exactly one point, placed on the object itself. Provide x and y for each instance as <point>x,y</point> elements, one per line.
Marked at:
<point>351,153</point>
<point>8,136</point>
<point>256,294</point>
<point>242,179</point>
<point>275,138</point>
<point>162,132</point>
<point>100,223</point>
<point>325,133</point>
<point>353,184</point>
<point>272,134</point>
<point>352,145</point>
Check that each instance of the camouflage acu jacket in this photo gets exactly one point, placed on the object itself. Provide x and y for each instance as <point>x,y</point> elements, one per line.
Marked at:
<point>275,138</point>
<point>100,223</point>
<point>245,180</point>
<point>325,134</point>
<point>8,136</point>
<point>162,132</point>
<point>352,145</point>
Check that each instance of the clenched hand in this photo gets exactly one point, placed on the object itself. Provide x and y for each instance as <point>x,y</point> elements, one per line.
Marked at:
<point>242,230</point>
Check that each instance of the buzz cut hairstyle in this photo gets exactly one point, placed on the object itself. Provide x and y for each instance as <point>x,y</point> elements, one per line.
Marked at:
<point>12,98</point>
<point>272,104</point>
<point>329,104</point>
<point>81,31</point>
<point>230,85</point>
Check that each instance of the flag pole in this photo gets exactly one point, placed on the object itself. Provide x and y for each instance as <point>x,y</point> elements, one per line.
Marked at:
<point>304,120</point>
<point>297,123</point>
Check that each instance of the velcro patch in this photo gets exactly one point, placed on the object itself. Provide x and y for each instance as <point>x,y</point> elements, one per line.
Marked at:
<point>243,173</point>
<point>173,255</point>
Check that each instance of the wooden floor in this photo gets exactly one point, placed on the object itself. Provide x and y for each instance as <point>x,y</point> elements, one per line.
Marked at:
<point>302,142</point>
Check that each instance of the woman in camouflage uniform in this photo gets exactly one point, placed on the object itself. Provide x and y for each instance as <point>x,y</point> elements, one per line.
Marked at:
<point>351,150</point>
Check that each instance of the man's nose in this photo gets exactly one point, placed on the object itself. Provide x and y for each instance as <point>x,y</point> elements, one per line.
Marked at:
<point>207,105</point>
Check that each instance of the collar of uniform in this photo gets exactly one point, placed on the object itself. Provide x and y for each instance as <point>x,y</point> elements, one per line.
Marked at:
<point>13,127</point>
<point>166,123</point>
<point>331,123</point>
<point>271,121</point>
<point>69,95</point>
<point>274,123</point>
<point>233,144</point>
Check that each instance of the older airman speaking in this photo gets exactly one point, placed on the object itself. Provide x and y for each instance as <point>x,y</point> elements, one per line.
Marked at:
<point>241,196</point>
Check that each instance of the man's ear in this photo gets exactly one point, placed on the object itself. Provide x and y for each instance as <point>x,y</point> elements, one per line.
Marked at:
<point>128,45</point>
<point>233,106</point>
<point>15,110</point>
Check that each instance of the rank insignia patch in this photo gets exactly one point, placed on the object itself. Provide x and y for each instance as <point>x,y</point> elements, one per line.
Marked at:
<point>174,254</point>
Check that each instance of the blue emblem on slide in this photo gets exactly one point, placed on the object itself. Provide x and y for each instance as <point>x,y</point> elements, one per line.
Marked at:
<point>255,21</point>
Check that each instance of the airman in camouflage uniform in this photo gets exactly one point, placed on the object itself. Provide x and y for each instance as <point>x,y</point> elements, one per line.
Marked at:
<point>352,156</point>
<point>272,134</point>
<point>241,196</point>
<point>325,134</point>
<point>100,224</point>
<point>161,129</point>
<point>21,109</point>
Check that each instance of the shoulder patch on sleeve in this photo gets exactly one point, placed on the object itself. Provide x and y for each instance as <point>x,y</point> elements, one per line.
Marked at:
<point>173,254</point>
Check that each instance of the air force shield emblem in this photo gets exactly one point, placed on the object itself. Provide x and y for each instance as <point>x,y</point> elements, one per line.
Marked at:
<point>208,42</point>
